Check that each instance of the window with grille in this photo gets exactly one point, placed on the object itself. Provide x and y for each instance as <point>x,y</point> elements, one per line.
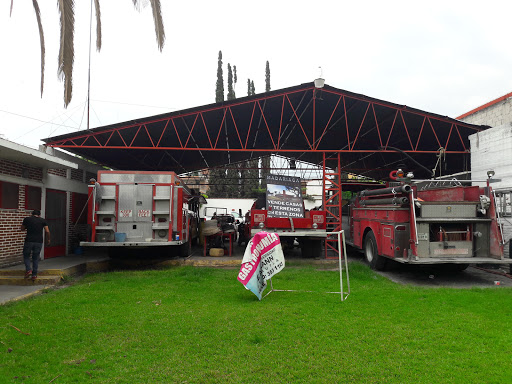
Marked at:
<point>9,195</point>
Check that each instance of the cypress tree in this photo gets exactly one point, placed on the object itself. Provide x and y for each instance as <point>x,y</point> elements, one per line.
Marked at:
<point>267,78</point>
<point>235,79</point>
<point>265,170</point>
<point>253,91</point>
<point>217,177</point>
<point>232,181</point>
<point>248,87</point>
<point>219,89</point>
<point>250,178</point>
<point>231,93</point>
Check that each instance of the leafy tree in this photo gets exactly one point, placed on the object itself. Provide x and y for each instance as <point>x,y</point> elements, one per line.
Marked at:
<point>219,89</point>
<point>67,32</point>
<point>267,78</point>
<point>231,92</point>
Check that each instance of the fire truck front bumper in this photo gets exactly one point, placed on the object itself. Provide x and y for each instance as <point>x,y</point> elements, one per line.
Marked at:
<point>282,233</point>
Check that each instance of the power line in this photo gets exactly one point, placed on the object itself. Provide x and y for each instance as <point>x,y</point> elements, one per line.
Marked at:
<point>137,105</point>
<point>33,118</point>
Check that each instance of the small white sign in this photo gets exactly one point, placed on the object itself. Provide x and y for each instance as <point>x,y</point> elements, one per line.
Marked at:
<point>319,219</point>
<point>125,213</point>
<point>144,213</point>
<point>423,236</point>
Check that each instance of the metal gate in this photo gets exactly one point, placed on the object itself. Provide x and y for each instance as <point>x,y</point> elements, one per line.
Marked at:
<point>55,215</point>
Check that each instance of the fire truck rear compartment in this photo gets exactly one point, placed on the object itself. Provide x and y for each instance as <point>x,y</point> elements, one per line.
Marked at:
<point>451,230</point>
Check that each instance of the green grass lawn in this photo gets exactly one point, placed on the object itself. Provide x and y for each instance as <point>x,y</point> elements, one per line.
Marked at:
<point>200,325</point>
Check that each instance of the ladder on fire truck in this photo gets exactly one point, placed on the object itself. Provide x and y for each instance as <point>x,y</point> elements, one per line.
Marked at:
<point>332,202</point>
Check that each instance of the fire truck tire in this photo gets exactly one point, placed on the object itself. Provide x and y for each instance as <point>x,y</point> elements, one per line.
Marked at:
<point>184,249</point>
<point>375,261</point>
<point>456,267</point>
<point>311,248</point>
<point>114,252</point>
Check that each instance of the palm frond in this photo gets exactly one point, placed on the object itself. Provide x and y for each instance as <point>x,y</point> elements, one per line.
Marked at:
<point>98,24</point>
<point>139,4</point>
<point>159,24</point>
<point>67,48</point>
<point>41,38</point>
<point>157,18</point>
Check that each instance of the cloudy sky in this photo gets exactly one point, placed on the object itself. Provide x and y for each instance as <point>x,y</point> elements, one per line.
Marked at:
<point>446,57</point>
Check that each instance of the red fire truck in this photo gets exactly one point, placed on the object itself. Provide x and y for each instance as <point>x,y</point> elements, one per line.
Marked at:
<point>426,223</point>
<point>309,231</point>
<point>135,210</point>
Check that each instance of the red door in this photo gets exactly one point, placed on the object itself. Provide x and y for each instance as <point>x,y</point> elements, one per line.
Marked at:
<point>55,215</point>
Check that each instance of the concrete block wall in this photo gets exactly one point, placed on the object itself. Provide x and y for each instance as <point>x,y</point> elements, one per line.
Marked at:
<point>495,115</point>
<point>491,149</point>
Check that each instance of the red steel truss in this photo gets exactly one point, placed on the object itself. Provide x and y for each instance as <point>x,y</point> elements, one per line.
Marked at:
<point>300,120</point>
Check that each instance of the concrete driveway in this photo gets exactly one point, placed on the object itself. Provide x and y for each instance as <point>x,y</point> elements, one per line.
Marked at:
<point>435,276</point>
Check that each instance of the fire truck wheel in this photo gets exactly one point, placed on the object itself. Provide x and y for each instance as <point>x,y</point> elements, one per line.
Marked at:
<point>311,248</point>
<point>114,252</point>
<point>370,253</point>
<point>184,249</point>
<point>456,267</point>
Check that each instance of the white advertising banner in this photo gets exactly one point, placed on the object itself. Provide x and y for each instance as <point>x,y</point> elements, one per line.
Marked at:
<point>263,258</point>
<point>284,196</point>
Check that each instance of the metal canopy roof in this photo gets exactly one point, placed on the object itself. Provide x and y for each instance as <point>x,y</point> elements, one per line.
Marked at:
<point>372,136</point>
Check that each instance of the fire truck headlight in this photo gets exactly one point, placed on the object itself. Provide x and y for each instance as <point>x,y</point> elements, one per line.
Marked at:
<point>315,225</point>
<point>261,225</point>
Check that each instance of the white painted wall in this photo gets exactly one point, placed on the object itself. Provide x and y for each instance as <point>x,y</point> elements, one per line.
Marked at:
<point>492,150</point>
<point>233,205</point>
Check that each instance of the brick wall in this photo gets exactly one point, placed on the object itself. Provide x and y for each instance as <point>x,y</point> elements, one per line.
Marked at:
<point>77,174</point>
<point>10,235</point>
<point>13,168</point>
<point>76,232</point>
<point>57,172</point>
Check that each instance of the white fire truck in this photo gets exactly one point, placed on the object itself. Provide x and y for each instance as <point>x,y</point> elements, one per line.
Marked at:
<point>138,210</point>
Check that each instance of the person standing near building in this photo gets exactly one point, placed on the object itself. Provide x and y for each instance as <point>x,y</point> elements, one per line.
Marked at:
<point>34,225</point>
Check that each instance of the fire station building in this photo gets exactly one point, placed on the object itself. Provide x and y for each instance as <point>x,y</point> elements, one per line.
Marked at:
<point>48,180</point>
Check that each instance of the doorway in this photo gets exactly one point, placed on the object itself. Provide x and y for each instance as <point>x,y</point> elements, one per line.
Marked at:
<point>55,216</point>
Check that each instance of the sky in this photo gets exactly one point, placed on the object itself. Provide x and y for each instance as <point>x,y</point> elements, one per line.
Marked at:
<point>445,57</point>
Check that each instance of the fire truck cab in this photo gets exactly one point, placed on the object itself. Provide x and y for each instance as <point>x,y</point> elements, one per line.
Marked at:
<point>309,231</point>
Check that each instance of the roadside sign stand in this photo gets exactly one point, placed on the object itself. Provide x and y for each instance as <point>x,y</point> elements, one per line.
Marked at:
<point>343,294</point>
